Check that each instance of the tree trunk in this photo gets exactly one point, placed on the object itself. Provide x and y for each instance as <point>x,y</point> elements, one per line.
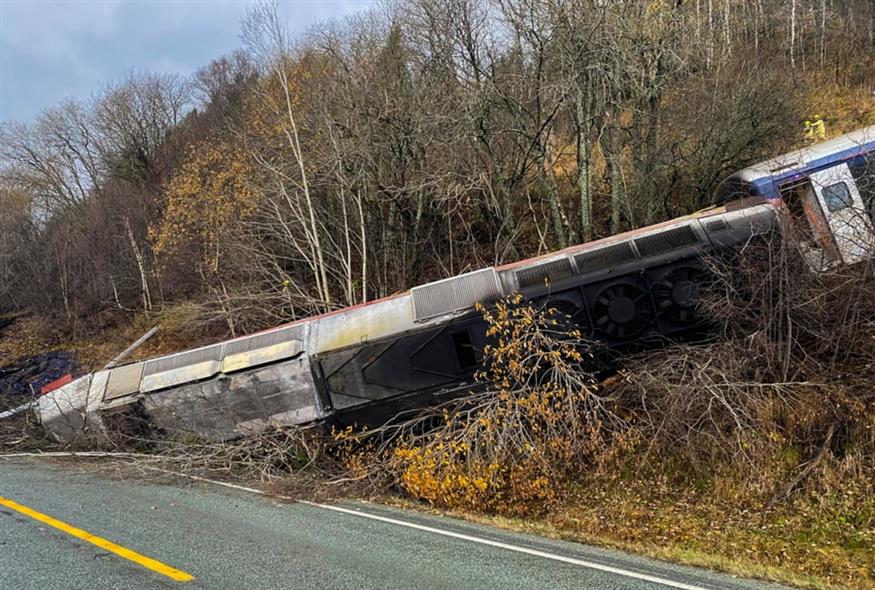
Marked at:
<point>295,144</point>
<point>584,155</point>
<point>358,202</point>
<point>618,189</point>
<point>555,206</point>
<point>144,280</point>
<point>793,34</point>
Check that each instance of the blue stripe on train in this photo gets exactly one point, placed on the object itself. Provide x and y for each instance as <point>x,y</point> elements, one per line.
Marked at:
<point>767,186</point>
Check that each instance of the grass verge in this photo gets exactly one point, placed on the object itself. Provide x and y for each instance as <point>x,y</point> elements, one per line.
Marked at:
<point>823,542</point>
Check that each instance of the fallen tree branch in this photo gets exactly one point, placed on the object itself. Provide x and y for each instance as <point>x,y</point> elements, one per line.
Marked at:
<point>809,467</point>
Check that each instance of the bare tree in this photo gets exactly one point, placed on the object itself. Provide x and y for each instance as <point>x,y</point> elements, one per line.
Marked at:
<point>266,36</point>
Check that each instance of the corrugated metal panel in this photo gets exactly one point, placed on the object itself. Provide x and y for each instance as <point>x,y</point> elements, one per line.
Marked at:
<point>455,294</point>
<point>715,225</point>
<point>183,359</point>
<point>433,300</point>
<point>257,341</point>
<point>123,381</point>
<point>595,260</point>
<point>664,241</point>
<point>552,271</point>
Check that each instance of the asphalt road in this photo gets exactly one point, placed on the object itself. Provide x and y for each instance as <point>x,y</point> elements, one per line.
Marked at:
<point>229,539</point>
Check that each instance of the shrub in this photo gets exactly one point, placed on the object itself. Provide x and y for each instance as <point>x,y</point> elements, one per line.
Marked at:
<point>510,447</point>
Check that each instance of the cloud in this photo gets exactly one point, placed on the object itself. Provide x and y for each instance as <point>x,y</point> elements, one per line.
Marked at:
<point>52,50</point>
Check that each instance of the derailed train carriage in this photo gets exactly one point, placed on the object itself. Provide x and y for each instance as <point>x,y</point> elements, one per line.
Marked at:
<point>370,362</point>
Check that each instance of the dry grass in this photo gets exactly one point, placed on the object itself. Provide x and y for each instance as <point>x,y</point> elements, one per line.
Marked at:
<point>821,539</point>
<point>182,328</point>
<point>26,336</point>
<point>816,541</point>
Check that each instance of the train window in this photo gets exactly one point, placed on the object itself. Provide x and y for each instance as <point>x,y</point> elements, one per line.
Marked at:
<point>466,354</point>
<point>837,197</point>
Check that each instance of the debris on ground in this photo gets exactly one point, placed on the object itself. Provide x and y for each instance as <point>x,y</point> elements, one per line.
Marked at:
<point>26,377</point>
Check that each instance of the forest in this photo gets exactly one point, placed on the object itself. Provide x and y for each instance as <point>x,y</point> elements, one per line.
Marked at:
<point>410,142</point>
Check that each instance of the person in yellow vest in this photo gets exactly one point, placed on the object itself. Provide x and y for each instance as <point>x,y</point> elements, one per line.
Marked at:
<point>815,131</point>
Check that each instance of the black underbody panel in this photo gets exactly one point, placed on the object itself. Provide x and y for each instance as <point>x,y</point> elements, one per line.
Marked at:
<point>372,382</point>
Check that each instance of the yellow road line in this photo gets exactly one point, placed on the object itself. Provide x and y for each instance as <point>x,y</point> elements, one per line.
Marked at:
<point>142,560</point>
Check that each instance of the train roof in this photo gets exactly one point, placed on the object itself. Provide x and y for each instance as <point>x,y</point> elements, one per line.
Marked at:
<point>519,264</point>
<point>822,154</point>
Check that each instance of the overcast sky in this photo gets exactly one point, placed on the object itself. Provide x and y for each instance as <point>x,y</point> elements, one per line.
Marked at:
<point>53,49</point>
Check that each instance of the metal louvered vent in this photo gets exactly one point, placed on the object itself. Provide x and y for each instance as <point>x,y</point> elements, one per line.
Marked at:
<point>455,294</point>
<point>123,381</point>
<point>552,271</point>
<point>666,240</point>
<point>595,260</point>
<point>183,359</point>
<point>715,225</point>
<point>257,341</point>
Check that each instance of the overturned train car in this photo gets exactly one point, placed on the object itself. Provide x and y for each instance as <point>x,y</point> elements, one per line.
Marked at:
<point>369,362</point>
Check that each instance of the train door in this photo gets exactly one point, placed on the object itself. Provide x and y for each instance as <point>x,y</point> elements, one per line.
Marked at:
<point>809,227</point>
<point>845,213</point>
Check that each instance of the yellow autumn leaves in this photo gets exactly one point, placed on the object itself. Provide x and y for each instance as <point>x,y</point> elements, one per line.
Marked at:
<point>205,201</point>
<point>511,447</point>
<point>213,195</point>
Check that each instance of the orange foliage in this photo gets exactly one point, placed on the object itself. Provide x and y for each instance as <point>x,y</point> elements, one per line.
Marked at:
<point>206,199</point>
<point>511,448</point>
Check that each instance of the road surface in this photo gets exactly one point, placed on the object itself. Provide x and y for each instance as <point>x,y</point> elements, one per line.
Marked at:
<point>63,527</point>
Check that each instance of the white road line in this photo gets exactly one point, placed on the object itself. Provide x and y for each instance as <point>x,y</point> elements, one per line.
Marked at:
<point>461,536</point>
<point>233,486</point>
<point>437,531</point>
<point>516,548</point>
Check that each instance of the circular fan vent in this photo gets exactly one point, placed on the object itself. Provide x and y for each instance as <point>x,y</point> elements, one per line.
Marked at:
<point>622,311</point>
<point>678,293</point>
